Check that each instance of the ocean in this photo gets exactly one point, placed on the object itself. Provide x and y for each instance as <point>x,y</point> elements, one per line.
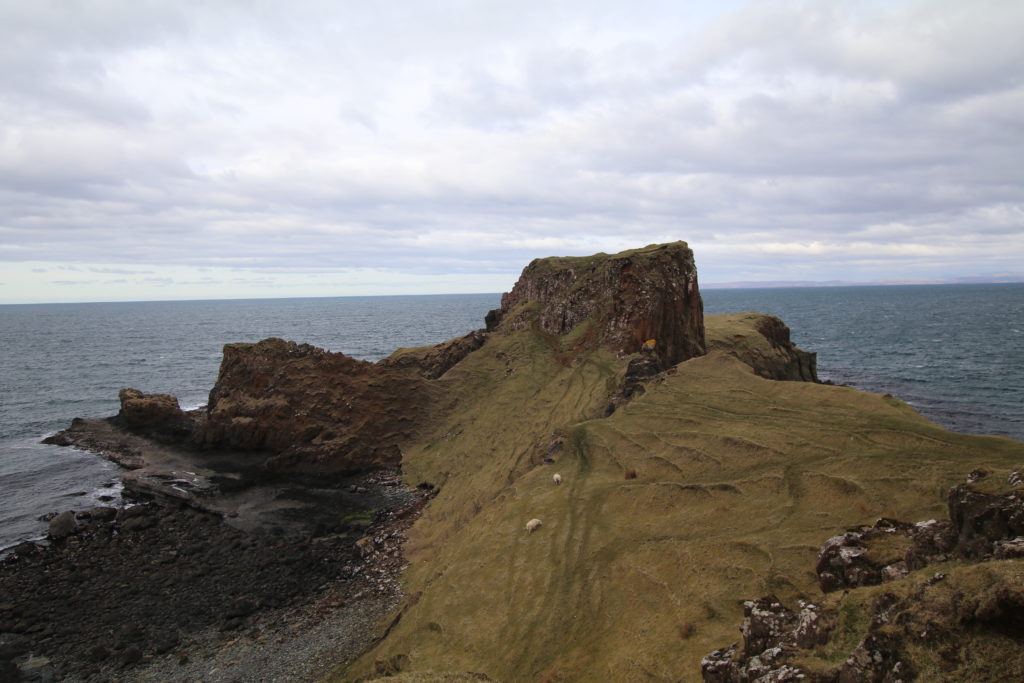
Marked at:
<point>956,353</point>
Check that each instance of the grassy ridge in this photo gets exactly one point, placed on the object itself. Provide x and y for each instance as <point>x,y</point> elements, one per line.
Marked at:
<point>740,480</point>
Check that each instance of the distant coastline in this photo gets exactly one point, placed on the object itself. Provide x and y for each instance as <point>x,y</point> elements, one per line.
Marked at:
<point>1003,279</point>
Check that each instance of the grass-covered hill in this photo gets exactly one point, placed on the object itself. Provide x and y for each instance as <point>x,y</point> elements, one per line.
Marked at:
<point>711,486</point>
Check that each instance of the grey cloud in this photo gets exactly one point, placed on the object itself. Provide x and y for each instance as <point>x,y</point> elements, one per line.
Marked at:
<point>471,139</point>
<point>120,271</point>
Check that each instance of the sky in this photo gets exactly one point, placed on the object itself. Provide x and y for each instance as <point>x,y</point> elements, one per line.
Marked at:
<point>195,150</point>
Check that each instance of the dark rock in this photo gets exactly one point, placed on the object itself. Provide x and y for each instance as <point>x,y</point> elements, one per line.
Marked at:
<point>233,624</point>
<point>771,633</point>
<point>165,642</point>
<point>137,523</point>
<point>156,415</point>
<point>639,370</point>
<point>884,552</point>
<point>62,526</point>
<point>799,365</point>
<point>986,524</point>
<point>1011,549</point>
<point>315,412</point>
<point>933,541</point>
<point>129,633</point>
<point>982,518</point>
<point>433,361</point>
<point>624,300</point>
<point>493,319</point>
<point>9,671</point>
<point>241,607</point>
<point>13,645</point>
<point>762,342</point>
<point>765,622</point>
<point>131,655</point>
<point>99,653</point>
<point>102,514</point>
<point>27,549</point>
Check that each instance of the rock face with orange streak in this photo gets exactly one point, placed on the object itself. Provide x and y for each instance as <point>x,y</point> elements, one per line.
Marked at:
<point>624,299</point>
<point>314,411</point>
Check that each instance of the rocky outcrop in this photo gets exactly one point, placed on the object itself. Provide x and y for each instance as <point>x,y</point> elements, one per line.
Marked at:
<point>770,631</point>
<point>433,361</point>
<point>957,622</point>
<point>312,410</point>
<point>762,342</point>
<point>989,522</point>
<point>886,551</point>
<point>617,302</point>
<point>156,415</point>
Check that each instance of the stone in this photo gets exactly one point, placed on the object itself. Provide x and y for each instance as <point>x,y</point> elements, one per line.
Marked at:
<point>13,645</point>
<point>27,549</point>
<point>156,415</point>
<point>165,642</point>
<point>982,518</point>
<point>9,671</point>
<point>138,523</point>
<point>241,607</point>
<point>131,655</point>
<point>99,653</point>
<point>62,526</point>
<point>102,514</point>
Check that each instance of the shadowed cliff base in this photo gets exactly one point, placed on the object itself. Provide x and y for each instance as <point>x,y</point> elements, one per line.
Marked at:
<point>691,477</point>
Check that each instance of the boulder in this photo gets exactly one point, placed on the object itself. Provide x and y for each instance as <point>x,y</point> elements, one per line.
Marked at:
<point>771,634</point>
<point>102,514</point>
<point>156,415</point>
<point>890,549</point>
<point>62,526</point>
<point>984,514</point>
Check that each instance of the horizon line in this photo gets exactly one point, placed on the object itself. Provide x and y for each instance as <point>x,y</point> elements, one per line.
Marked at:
<point>738,284</point>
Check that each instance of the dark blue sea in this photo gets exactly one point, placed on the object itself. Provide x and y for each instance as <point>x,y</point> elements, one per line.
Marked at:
<point>954,352</point>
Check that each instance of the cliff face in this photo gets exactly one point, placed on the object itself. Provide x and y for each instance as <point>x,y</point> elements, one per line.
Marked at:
<point>314,411</point>
<point>617,302</point>
<point>762,342</point>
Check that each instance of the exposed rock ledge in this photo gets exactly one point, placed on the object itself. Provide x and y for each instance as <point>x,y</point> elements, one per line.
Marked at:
<point>915,624</point>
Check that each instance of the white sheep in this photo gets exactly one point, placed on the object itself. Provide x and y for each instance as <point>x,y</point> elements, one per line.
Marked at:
<point>557,478</point>
<point>533,525</point>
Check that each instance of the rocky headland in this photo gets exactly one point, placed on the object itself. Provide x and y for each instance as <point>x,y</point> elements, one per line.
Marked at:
<point>323,511</point>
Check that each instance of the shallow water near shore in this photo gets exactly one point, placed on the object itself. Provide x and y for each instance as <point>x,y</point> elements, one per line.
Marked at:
<point>954,352</point>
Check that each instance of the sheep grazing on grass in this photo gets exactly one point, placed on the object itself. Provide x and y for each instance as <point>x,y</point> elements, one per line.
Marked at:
<point>533,525</point>
<point>557,478</point>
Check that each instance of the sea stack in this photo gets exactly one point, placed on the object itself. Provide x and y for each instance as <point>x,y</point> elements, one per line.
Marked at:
<point>618,302</point>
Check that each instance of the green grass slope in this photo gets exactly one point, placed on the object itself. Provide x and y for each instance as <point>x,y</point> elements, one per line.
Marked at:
<point>739,480</point>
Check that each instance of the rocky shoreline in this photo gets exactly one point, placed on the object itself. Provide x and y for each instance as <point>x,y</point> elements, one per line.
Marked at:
<point>244,586</point>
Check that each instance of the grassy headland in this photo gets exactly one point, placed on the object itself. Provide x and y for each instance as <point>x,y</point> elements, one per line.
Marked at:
<point>739,480</point>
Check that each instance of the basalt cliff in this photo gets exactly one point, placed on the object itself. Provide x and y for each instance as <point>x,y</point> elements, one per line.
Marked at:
<point>700,465</point>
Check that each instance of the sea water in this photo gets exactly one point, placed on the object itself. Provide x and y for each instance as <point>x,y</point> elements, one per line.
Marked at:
<point>954,352</point>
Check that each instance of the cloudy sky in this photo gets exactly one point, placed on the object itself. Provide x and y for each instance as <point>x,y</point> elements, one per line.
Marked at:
<point>180,150</point>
